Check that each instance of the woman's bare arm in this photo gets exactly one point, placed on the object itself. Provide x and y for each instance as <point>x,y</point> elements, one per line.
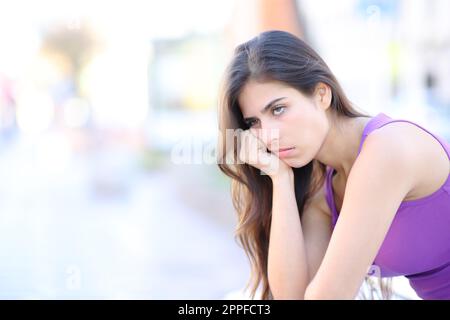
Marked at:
<point>295,249</point>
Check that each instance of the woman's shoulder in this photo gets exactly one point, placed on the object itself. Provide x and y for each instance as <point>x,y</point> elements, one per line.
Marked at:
<point>426,156</point>
<point>409,135</point>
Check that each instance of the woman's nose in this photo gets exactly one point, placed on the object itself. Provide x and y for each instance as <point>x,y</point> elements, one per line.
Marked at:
<point>269,136</point>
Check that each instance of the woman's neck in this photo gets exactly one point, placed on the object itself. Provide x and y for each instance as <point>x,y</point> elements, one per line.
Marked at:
<point>340,148</point>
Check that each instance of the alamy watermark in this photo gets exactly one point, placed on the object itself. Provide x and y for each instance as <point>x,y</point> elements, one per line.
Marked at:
<point>228,148</point>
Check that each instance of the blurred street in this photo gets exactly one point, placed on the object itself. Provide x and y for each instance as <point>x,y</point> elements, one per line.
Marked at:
<point>127,235</point>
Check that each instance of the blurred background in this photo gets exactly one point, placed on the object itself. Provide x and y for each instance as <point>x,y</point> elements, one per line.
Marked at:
<point>108,125</point>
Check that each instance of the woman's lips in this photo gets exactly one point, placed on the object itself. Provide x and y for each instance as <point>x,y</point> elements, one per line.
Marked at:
<point>285,152</point>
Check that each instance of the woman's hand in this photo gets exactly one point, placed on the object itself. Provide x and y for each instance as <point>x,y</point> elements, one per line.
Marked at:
<point>254,152</point>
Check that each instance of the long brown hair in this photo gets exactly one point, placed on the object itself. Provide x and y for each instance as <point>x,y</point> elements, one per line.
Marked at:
<point>270,56</point>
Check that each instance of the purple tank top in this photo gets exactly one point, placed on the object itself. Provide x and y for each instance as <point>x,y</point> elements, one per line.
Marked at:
<point>417,244</point>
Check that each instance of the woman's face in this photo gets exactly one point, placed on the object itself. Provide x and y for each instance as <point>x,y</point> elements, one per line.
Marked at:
<point>298,121</point>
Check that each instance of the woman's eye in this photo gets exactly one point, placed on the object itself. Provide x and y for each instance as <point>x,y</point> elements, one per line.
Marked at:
<point>251,123</point>
<point>278,110</point>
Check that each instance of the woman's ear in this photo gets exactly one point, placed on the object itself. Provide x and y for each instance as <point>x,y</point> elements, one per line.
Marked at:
<point>323,95</point>
<point>322,92</point>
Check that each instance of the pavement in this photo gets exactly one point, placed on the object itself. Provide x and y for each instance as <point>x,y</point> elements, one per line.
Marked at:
<point>96,226</point>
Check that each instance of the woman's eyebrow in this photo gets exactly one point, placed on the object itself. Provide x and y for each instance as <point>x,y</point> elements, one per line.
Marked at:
<point>267,107</point>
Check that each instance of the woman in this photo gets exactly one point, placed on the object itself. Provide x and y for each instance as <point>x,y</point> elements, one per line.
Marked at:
<point>334,193</point>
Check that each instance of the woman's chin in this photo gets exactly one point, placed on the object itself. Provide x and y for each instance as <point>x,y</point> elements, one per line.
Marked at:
<point>296,162</point>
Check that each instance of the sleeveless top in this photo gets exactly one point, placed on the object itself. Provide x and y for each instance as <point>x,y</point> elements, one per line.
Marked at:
<point>417,244</point>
